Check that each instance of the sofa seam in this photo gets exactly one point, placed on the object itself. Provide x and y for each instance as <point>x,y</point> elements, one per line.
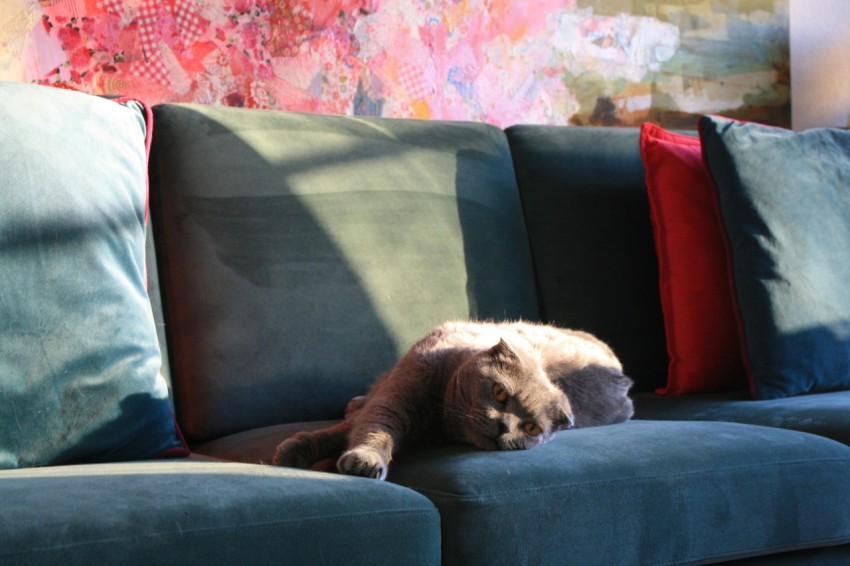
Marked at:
<point>754,552</point>
<point>523,205</point>
<point>501,494</point>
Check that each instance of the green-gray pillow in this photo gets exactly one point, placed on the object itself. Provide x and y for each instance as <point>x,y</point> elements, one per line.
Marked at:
<point>79,357</point>
<point>785,203</point>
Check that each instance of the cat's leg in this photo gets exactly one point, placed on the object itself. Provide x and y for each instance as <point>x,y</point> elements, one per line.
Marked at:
<point>306,448</point>
<point>372,441</point>
<point>367,460</point>
<point>378,430</point>
<point>355,405</point>
<point>395,411</point>
<point>598,395</point>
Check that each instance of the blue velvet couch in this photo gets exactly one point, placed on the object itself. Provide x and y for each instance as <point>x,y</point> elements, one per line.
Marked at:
<point>291,258</point>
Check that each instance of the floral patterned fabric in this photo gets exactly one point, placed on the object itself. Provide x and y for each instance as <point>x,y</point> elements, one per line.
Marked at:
<point>499,61</point>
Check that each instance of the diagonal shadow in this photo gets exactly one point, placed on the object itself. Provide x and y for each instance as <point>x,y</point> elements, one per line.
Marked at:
<point>300,255</point>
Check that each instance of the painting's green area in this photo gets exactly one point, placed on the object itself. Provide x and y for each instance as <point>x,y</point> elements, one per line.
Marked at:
<point>723,44</point>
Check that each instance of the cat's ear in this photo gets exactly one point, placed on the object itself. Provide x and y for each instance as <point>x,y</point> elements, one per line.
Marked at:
<point>503,353</point>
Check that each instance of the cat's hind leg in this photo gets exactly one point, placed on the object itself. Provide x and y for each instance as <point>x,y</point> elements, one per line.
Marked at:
<point>305,449</point>
<point>355,405</point>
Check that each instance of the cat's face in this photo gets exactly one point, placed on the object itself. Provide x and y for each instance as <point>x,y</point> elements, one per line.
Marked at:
<point>501,399</point>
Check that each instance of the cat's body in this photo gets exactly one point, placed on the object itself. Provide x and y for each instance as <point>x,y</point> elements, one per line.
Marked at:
<point>505,386</point>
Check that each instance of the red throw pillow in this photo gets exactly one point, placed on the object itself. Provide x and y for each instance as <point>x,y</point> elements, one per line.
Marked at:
<point>699,316</point>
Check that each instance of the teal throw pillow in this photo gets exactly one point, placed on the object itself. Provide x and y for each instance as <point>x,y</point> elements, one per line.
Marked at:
<point>784,199</point>
<point>79,357</point>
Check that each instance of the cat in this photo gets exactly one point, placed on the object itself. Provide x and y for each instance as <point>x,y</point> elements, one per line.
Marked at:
<point>496,386</point>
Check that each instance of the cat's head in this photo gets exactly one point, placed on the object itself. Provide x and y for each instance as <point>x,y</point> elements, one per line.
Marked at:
<point>501,399</point>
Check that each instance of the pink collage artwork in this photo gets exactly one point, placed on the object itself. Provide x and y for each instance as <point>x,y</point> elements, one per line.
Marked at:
<point>499,61</point>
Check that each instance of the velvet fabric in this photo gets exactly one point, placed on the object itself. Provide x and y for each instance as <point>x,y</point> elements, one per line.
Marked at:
<point>572,489</point>
<point>79,357</point>
<point>825,556</point>
<point>155,297</point>
<point>699,318</point>
<point>824,414</point>
<point>587,212</point>
<point>258,445</point>
<point>636,493</point>
<point>785,204</point>
<point>195,512</point>
<point>302,255</point>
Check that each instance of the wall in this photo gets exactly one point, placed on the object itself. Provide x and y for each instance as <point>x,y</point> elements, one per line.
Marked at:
<point>820,63</point>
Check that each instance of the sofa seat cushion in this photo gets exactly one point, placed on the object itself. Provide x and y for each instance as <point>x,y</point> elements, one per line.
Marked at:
<point>638,493</point>
<point>193,512</point>
<point>824,414</point>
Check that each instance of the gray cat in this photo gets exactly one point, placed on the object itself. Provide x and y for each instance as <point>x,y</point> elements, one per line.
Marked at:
<point>497,386</point>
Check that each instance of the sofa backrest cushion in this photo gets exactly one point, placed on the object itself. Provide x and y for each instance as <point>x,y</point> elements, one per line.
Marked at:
<point>301,255</point>
<point>588,220</point>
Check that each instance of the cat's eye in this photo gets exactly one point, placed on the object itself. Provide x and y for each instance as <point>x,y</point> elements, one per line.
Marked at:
<point>531,429</point>
<point>500,394</point>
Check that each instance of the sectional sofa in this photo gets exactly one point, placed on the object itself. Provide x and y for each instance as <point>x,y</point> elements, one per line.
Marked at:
<point>155,350</point>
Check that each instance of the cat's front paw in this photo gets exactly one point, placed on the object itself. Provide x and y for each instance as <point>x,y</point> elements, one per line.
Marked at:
<point>363,462</point>
<point>294,452</point>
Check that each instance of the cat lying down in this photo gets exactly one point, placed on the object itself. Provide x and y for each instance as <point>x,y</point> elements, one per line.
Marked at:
<point>497,386</point>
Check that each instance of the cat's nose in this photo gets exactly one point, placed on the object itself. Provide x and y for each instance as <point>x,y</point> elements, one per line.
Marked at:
<point>503,427</point>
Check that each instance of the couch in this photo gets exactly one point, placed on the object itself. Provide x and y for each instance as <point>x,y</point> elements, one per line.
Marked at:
<point>290,259</point>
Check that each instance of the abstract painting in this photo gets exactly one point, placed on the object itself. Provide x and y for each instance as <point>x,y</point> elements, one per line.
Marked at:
<point>603,62</point>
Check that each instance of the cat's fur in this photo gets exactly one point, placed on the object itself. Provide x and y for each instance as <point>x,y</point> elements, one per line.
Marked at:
<point>505,386</point>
